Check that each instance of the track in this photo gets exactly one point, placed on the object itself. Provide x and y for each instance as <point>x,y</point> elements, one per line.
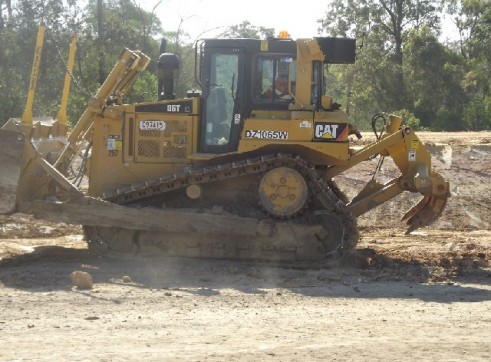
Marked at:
<point>325,226</point>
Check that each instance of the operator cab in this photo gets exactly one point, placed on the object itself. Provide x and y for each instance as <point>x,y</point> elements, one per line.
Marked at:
<point>236,76</point>
<point>241,77</point>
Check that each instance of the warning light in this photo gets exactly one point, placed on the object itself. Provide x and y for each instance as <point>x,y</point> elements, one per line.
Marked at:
<point>283,34</point>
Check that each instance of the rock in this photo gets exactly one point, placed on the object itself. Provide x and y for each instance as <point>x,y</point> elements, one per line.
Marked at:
<point>127,279</point>
<point>81,280</point>
<point>467,263</point>
<point>481,263</point>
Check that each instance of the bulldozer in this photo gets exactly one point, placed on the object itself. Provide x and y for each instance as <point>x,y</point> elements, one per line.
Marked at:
<point>241,168</point>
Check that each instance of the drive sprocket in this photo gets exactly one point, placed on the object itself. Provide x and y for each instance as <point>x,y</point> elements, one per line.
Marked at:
<point>283,192</point>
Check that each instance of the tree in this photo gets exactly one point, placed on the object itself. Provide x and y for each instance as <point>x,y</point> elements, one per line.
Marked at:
<point>126,25</point>
<point>385,23</point>
<point>17,41</point>
<point>247,30</point>
<point>5,8</point>
<point>185,51</point>
<point>473,20</point>
<point>433,75</point>
<point>401,65</point>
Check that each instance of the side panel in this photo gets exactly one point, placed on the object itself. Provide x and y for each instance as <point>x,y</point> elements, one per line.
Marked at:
<point>159,138</point>
<point>292,135</point>
<point>141,146</point>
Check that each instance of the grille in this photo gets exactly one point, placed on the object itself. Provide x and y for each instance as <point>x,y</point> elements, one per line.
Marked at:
<point>149,149</point>
<point>174,152</point>
<point>153,134</point>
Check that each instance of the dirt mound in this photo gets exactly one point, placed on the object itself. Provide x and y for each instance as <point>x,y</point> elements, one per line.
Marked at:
<point>25,226</point>
<point>464,159</point>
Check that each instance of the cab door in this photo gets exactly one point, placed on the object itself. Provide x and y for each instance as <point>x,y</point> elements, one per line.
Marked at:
<point>223,93</point>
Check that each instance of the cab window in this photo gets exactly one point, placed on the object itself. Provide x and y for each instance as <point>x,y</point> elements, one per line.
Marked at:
<point>220,100</point>
<point>274,81</point>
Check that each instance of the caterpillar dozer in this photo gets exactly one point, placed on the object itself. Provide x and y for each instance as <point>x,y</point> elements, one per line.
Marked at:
<point>242,168</point>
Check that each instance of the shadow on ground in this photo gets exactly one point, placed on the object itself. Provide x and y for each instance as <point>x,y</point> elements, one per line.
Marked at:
<point>366,274</point>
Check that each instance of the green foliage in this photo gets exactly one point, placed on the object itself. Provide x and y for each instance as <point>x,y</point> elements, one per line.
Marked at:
<point>409,119</point>
<point>124,25</point>
<point>17,39</point>
<point>433,77</point>
<point>477,114</point>
<point>144,89</point>
<point>447,120</point>
<point>402,65</point>
<point>247,30</point>
<point>185,52</point>
<point>186,80</point>
<point>381,28</point>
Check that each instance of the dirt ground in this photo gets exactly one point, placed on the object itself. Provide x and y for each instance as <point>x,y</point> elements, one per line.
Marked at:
<point>424,296</point>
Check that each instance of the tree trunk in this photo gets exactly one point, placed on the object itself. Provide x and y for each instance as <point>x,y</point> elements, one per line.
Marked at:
<point>100,43</point>
<point>395,10</point>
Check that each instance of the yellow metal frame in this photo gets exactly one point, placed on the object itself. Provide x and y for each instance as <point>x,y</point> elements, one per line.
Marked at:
<point>31,92</point>
<point>61,118</point>
<point>122,76</point>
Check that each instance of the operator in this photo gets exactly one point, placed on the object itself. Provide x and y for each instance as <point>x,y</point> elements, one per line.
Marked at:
<point>281,89</point>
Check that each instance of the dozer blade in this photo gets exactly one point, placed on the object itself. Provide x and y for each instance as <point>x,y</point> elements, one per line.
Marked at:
<point>425,212</point>
<point>11,154</point>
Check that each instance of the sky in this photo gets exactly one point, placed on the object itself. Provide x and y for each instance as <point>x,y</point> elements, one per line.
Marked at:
<point>209,18</point>
<point>201,16</point>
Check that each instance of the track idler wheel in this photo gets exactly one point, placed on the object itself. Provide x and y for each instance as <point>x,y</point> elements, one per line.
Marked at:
<point>283,192</point>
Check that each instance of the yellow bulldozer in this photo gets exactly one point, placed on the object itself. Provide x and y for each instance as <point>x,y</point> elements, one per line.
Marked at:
<point>242,168</point>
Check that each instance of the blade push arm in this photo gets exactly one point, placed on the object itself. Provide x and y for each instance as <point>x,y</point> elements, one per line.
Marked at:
<point>118,82</point>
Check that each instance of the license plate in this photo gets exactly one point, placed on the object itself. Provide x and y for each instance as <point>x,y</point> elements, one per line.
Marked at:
<point>152,125</point>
